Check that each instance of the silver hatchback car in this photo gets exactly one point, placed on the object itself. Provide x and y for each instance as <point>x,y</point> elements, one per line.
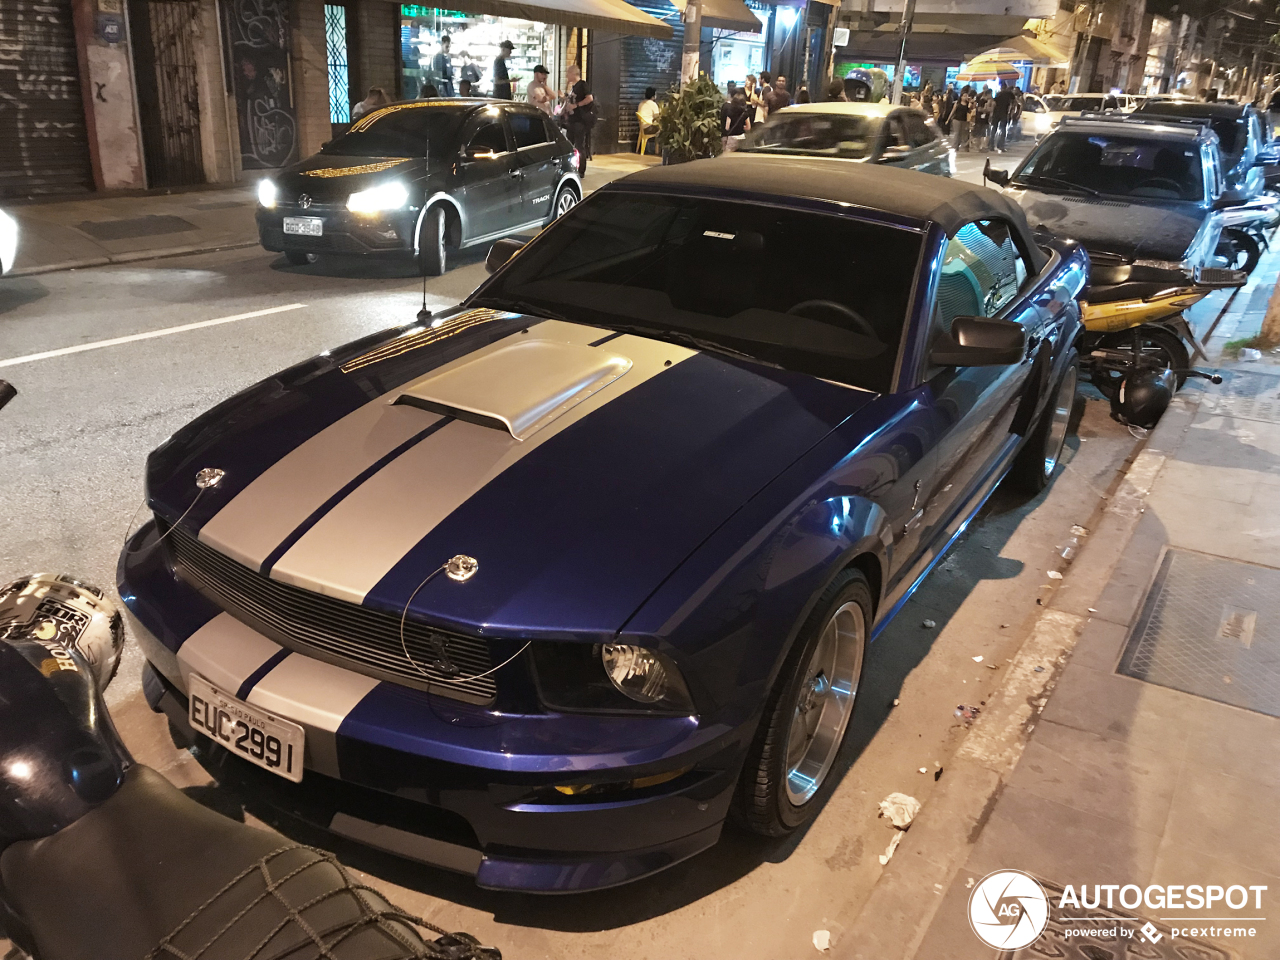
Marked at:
<point>865,132</point>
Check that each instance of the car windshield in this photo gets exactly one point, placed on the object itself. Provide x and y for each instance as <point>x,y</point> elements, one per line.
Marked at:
<point>1115,165</point>
<point>833,134</point>
<point>409,130</point>
<point>821,294</point>
<point>1076,104</point>
<point>1229,129</point>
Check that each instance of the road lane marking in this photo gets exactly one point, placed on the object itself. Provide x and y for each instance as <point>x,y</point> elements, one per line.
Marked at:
<point>133,338</point>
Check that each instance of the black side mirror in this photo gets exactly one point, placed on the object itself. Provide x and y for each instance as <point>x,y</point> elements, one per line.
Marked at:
<point>995,176</point>
<point>7,392</point>
<point>500,253</point>
<point>980,342</point>
<point>1269,157</point>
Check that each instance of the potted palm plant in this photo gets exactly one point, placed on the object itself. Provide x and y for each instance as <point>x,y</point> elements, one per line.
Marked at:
<point>689,121</point>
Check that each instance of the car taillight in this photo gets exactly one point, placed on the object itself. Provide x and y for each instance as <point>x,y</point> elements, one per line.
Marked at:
<point>576,160</point>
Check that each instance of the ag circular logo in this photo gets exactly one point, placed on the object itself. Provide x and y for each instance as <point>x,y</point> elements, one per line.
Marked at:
<point>1008,909</point>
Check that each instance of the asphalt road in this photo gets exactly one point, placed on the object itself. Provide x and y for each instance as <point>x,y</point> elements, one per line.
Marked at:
<point>72,449</point>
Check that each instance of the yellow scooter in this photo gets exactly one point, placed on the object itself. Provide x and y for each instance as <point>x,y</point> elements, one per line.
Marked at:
<point>1133,320</point>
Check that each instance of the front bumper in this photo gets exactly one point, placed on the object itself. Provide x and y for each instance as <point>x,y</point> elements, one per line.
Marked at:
<point>391,778</point>
<point>344,232</point>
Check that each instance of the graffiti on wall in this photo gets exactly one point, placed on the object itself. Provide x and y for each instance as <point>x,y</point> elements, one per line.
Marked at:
<point>257,44</point>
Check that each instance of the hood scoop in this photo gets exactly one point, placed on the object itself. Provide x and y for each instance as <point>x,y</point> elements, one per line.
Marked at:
<point>518,388</point>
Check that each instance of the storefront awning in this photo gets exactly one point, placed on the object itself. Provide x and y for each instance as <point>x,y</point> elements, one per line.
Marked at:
<point>617,16</point>
<point>725,15</point>
<point>1040,53</point>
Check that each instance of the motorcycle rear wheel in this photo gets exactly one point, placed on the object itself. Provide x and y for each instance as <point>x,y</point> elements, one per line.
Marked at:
<point>1242,249</point>
<point>1158,343</point>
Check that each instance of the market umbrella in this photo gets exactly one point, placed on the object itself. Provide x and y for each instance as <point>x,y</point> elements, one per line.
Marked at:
<point>980,71</point>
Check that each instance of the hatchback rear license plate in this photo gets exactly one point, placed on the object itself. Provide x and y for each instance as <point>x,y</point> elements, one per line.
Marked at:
<point>271,742</point>
<point>304,226</point>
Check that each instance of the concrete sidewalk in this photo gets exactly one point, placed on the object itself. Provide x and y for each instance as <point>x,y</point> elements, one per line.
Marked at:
<point>1136,741</point>
<point>66,234</point>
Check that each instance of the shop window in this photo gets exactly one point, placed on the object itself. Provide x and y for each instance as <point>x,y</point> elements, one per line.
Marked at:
<point>490,137</point>
<point>335,42</point>
<point>529,130</point>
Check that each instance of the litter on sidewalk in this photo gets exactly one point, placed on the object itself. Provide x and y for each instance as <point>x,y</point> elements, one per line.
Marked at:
<point>899,809</point>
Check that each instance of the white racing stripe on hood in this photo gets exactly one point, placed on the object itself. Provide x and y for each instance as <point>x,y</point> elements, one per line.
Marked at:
<point>225,652</point>
<point>273,505</point>
<point>354,546</point>
<point>317,695</point>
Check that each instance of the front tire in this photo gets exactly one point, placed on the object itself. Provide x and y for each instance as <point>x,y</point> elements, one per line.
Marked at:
<point>431,243</point>
<point>1242,249</point>
<point>787,769</point>
<point>1039,457</point>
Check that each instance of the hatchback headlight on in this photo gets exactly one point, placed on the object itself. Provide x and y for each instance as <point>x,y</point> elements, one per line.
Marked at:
<point>385,196</point>
<point>8,241</point>
<point>267,193</point>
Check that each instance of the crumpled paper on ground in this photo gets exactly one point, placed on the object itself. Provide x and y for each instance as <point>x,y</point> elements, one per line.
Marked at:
<point>899,809</point>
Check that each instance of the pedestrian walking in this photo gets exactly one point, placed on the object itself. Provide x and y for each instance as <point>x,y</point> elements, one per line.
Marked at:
<point>981,120</point>
<point>960,121</point>
<point>1000,109</point>
<point>761,99</point>
<point>736,118</point>
<point>580,115</point>
<point>501,80</point>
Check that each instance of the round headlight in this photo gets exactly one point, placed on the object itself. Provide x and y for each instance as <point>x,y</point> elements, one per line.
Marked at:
<point>638,672</point>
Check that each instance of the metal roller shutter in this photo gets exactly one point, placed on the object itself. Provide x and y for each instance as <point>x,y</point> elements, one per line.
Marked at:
<point>44,148</point>
<point>646,62</point>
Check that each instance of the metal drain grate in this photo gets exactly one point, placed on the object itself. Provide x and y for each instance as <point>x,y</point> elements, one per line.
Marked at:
<point>1210,627</point>
<point>1142,939</point>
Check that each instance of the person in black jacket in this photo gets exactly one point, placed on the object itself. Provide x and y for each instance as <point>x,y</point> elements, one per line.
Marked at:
<point>501,81</point>
<point>580,115</point>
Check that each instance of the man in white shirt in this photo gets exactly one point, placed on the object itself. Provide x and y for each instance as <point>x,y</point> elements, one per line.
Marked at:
<point>539,93</point>
<point>648,112</point>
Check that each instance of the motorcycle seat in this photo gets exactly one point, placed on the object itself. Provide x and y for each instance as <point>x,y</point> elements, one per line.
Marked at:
<point>151,866</point>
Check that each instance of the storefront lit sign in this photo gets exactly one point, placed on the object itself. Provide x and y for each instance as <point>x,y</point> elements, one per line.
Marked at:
<point>413,11</point>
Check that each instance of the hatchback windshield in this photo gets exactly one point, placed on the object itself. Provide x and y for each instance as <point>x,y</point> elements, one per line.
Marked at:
<point>834,134</point>
<point>1115,165</point>
<point>820,294</point>
<point>1075,104</point>
<point>409,130</point>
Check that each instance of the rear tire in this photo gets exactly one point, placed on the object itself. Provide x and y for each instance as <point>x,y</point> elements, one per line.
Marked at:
<point>299,258</point>
<point>1243,250</point>
<point>565,201</point>
<point>1158,342</point>
<point>431,243</point>
<point>1038,459</point>
<point>786,773</point>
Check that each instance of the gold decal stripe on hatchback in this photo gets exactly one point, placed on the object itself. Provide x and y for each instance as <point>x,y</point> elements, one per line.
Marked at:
<point>354,171</point>
<point>369,119</point>
<point>414,341</point>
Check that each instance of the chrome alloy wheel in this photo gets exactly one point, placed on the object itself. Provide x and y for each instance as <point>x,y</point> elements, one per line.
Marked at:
<point>565,203</point>
<point>1056,435</point>
<point>825,702</point>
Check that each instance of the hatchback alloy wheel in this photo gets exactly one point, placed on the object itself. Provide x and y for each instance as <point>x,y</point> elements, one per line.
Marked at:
<point>566,202</point>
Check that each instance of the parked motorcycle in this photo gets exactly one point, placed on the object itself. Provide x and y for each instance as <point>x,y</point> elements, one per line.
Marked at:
<point>101,858</point>
<point>1138,347</point>
<point>1245,229</point>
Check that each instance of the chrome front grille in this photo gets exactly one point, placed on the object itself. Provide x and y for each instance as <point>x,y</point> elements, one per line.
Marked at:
<point>339,632</point>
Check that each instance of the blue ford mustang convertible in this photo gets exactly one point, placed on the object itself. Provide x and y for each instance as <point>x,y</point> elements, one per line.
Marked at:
<point>547,587</point>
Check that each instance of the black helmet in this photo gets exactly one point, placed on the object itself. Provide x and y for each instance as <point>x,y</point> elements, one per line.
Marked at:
<point>1143,397</point>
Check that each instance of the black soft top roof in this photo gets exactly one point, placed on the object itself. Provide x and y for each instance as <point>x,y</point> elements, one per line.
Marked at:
<point>920,197</point>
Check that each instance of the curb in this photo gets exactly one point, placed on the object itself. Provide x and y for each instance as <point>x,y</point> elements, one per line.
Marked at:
<point>893,921</point>
<point>132,256</point>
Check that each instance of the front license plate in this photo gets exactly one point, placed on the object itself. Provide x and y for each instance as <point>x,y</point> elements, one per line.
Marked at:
<point>304,226</point>
<point>260,737</point>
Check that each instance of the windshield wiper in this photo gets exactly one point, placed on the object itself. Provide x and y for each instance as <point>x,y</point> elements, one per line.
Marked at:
<point>521,306</point>
<point>687,340</point>
<point>1033,178</point>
